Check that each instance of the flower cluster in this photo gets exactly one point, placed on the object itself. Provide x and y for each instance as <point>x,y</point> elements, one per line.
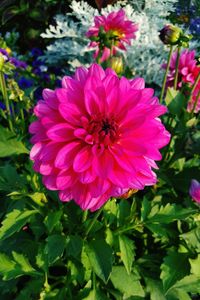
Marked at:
<point>14,61</point>
<point>188,70</point>
<point>98,136</point>
<point>110,33</point>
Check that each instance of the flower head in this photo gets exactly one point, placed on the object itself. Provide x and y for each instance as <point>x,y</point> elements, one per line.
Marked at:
<point>194,190</point>
<point>98,136</point>
<point>170,34</point>
<point>110,33</point>
<point>188,71</point>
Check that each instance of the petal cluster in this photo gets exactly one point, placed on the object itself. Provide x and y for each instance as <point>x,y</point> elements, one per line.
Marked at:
<point>98,136</point>
<point>187,73</point>
<point>111,33</point>
<point>195,190</point>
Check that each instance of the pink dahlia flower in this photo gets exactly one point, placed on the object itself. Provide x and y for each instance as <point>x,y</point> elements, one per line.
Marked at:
<point>110,33</point>
<point>195,190</point>
<point>187,73</point>
<point>98,136</point>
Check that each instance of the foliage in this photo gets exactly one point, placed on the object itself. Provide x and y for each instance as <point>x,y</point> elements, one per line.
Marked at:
<point>144,247</point>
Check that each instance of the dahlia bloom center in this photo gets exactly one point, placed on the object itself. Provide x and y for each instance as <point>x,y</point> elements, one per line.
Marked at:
<point>103,130</point>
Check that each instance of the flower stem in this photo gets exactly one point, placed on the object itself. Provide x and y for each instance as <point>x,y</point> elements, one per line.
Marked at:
<point>196,101</point>
<point>166,72</point>
<point>5,97</point>
<point>192,91</point>
<point>91,224</point>
<point>177,64</point>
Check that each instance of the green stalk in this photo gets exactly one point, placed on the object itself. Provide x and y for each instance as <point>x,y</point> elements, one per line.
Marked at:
<point>192,90</point>
<point>196,101</point>
<point>91,224</point>
<point>166,72</point>
<point>177,64</point>
<point>5,97</point>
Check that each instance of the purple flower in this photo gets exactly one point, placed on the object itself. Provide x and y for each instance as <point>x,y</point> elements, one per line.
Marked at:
<point>18,63</point>
<point>25,83</point>
<point>194,190</point>
<point>4,52</point>
<point>2,105</point>
<point>195,26</point>
<point>36,52</point>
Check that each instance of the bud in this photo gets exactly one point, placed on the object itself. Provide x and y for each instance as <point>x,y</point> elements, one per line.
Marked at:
<point>170,34</point>
<point>117,65</point>
<point>195,190</point>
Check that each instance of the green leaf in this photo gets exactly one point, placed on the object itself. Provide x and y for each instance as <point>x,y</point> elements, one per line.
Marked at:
<point>52,219</point>
<point>55,247</point>
<point>192,238</point>
<point>171,94</point>
<point>168,213</point>
<point>174,268</point>
<point>195,265</point>
<point>39,198</point>
<point>127,252</point>
<point>14,221</point>
<point>154,287</point>
<point>100,256</point>
<point>129,285</point>
<point>74,245</point>
<point>14,268</point>
<point>177,294</point>
<point>96,295</point>
<point>145,209</point>
<point>10,144</point>
<point>189,284</point>
<point>177,104</point>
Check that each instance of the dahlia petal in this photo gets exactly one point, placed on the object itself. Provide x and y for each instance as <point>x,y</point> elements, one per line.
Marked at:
<point>65,195</point>
<point>65,180</point>
<point>50,98</point>
<point>138,83</point>
<point>50,182</point>
<point>83,160</point>
<point>61,132</point>
<point>35,151</point>
<point>65,156</point>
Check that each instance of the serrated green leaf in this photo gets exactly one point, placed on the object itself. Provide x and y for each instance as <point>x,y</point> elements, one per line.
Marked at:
<point>23,262</point>
<point>14,221</point>
<point>129,285</point>
<point>174,268</point>
<point>100,257</point>
<point>55,247</point>
<point>189,284</point>
<point>9,144</point>
<point>18,266</point>
<point>192,238</point>
<point>52,219</point>
<point>168,213</point>
<point>127,252</point>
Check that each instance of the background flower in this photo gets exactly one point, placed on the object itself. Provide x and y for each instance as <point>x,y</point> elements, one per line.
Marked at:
<point>188,71</point>
<point>97,136</point>
<point>195,190</point>
<point>110,33</point>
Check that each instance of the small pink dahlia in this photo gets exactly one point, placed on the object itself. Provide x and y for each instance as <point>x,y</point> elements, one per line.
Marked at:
<point>98,136</point>
<point>194,190</point>
<point>187,73</point>
<point>110,33</point>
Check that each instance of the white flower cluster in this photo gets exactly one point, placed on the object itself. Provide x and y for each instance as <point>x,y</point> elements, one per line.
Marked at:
<point>144,56</point>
